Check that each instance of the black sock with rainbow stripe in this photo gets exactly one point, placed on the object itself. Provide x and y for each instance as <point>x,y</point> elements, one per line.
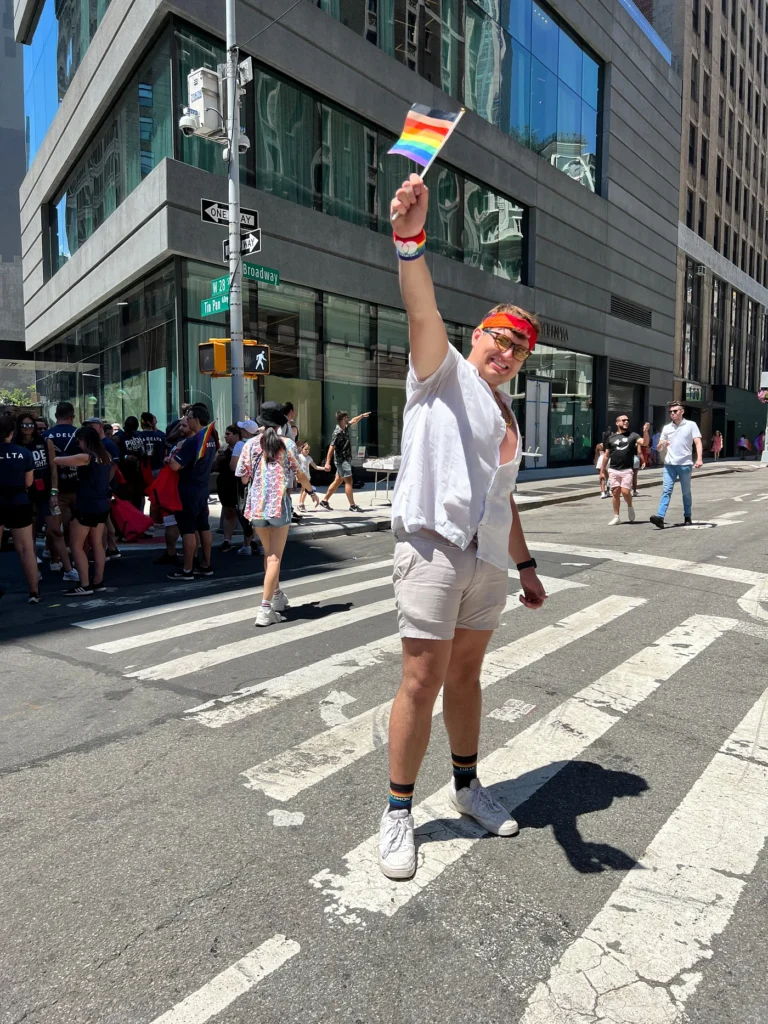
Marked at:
<point>464,769</point>
<point>400,796</point>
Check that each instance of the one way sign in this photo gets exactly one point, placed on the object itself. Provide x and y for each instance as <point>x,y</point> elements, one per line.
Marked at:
<point>249,244</point>
<point>212,212</point>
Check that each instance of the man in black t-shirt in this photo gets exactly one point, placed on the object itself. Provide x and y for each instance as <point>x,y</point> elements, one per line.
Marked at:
<point>62,434</point>
<point>622,448</point>
<point>193,462</point>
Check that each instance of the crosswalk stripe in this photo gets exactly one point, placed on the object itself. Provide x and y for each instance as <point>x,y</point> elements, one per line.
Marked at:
<point>718,572</point>
<point>223,711</point>
<point>641,957</point>
<point>194,626</point>
<point>232,983</point>
<point>191,664</point>
<point>202,602</point>
<point>520,768</point>
<point>290,773</point>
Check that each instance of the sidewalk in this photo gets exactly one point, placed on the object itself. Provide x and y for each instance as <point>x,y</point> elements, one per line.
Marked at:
<point>533,492</point>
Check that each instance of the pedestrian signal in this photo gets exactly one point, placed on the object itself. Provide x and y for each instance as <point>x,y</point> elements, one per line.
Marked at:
<point>213,358</point>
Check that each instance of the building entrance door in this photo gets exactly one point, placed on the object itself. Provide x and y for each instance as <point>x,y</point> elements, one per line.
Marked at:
<point>537,395</point>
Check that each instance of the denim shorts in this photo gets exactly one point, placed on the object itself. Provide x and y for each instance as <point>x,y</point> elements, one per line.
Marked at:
<point>343,469</point>
<point>284,519</point>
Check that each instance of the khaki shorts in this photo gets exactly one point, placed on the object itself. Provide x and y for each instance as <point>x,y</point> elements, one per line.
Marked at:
<point>439,588</point>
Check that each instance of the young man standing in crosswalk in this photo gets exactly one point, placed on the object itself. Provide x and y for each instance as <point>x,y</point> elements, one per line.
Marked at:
<point>456,527</point>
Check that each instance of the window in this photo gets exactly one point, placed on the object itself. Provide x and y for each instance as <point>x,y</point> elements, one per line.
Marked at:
<point>724,7</point>
<point>708,28</point>
<point>718,319</point>
<point>723,52</point>
<point>759,59</point>
<point>132,139</point>
<point>753,213</point>
<point>726,241</point>
<point>760,221</point>
<point>689,210</point>
<point>759,268</point>
<point>742,28</point>
<point>765,114</point>
<point>692,144</point>
<point>701,226</point>
<point>716,235</point>
<point>694,79</point>
<point>288,142</point>
<point>744,255</point>
<point>745,209</point>
<point>734,338</point>
<point>704,157</point>
<point>733,15</point>
<point>762,170</point>
<point>529,76</point>
<point>749,97</point>
<point>741,84</point>
<point>747,153</point>
<point>735,259</point>
<point>732,71</point>
<point>705,88</point>
<point>737,196</point>
<point>719,175</point>
<point>492,232</point>
<point>751,44</point>
<point>751,347</point>
<point>721,117</point>
<point>754,162</point>
<point>751,270</point>
<point>739,141</point>
<point>728,179</point>
<point>691,322</point>
<point>730,128</point>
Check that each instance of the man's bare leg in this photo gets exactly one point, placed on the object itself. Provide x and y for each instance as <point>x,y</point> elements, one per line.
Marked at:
<point>425,663</point>
<point>462,696</point>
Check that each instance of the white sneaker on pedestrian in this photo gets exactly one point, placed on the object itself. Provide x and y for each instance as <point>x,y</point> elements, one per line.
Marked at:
<point>616,521</point>
<point>245,551</point>
<point>267,616</point>
<point>56,566</point>
<point>73,576</point>
<point>397,849</point>
<point>605,494</point>
<point>280,601</point>
<point>477,802</point>
<point>635,494</point>
<point>631,515</point>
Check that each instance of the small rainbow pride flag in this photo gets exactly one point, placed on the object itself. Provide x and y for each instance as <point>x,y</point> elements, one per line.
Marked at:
<point>425,133</point>
<point>204,440</point>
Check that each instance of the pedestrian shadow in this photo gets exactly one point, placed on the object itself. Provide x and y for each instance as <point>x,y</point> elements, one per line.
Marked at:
<point>315,611</point>
<point>555,796</point>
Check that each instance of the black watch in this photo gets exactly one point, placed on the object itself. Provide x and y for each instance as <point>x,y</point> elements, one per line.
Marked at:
<point>530,564</point>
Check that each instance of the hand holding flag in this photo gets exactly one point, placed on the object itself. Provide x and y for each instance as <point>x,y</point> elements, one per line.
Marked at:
<point>425,133</point>
<point>409,207</point>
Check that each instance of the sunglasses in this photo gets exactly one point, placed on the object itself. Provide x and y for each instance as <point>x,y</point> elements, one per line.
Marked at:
<point>503,344</point>
<point>28,426</point>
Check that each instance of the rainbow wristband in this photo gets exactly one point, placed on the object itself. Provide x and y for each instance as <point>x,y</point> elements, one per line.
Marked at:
<point>410,248</point>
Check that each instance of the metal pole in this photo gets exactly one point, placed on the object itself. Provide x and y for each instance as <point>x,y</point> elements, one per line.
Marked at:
<point>235,263</point>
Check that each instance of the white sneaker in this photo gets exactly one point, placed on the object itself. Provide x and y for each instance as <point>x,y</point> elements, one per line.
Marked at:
<point>605,494</point>
<point>477,802</point>
<point>56,566</point>
<point>631,514</point>
<point>73,576</point>
<point>397,849</point>
<point>280,602</point>
<point>635,494</point>
<point>267,616</point>
<point>616,521</point>
<point>245,551</point>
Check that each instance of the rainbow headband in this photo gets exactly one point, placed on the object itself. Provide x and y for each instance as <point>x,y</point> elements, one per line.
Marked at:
<point>516,323</point>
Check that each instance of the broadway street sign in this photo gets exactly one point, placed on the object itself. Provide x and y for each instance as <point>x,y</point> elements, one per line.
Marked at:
<point>212,212</point>
<point>251,272</point>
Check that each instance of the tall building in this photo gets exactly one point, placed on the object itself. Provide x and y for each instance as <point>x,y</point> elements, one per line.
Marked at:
<point>16,367</point>
<point>721,339</point>
<point>559,191</point>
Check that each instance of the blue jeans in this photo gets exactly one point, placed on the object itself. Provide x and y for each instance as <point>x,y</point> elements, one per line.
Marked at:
<point>683,474</point>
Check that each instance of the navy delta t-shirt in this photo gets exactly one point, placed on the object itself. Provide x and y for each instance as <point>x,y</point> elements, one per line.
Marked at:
<point>15,463</point>
<point>195,474</point>
<point>64,443</point>
<point>154,446</point>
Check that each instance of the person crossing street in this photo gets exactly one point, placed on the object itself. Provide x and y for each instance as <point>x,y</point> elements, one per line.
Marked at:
<point>622,447</point>
<point>456,527</point>
<point>678,440</point>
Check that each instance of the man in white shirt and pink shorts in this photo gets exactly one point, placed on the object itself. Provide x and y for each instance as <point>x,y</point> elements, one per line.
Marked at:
<point>456,528</point>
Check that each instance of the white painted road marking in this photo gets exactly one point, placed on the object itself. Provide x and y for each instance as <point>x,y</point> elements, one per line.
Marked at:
<point>240,614</point>
<point>518,770</point>
<point>238,979</point>
<point>288,819</point>
<point>330,707</point>
<point>290,773</point>
<point>231,595</point>
<point>511,710</point>
<point>640,959</point>
<point>231,708</point>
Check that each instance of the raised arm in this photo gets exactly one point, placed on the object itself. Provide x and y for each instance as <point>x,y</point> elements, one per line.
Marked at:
<point>428,339</point>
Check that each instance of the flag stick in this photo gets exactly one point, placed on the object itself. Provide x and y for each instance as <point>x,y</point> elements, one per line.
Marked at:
<point>432,159</point>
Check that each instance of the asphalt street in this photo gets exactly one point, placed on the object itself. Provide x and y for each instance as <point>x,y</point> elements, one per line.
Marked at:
<point>188,805</point>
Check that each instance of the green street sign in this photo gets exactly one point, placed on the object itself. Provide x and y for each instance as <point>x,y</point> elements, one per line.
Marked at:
<point>220,286</point>
<point>264,275</point>
<point>218,304</point>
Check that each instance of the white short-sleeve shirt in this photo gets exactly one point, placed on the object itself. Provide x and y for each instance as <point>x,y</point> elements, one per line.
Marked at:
<point>450,480</point>
<point>681,438</point>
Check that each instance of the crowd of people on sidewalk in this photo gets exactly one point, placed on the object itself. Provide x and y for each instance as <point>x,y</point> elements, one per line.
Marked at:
<point>80,488</point>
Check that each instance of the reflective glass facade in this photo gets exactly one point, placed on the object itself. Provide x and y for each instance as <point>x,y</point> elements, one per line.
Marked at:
<point>523,69</point>
<point>63,34</point>
<point>134,137</point>
<point>120,361</point>
<point>328,352</point>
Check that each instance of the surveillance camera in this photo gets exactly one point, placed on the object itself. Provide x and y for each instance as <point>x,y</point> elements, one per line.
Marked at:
<point>189,123</point>
<point>244,144</point>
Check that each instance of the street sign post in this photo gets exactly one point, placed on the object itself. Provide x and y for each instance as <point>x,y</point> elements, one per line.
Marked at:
<point>212,212</point>
<point>251,272</point>
<point>250,243</point>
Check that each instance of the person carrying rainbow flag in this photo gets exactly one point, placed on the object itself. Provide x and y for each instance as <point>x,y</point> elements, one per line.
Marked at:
<point>193,462</point>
